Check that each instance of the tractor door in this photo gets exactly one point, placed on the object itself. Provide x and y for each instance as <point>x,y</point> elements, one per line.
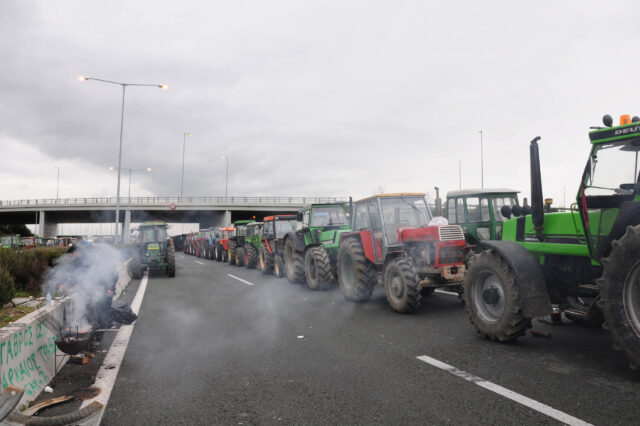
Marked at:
<point>479,217</point>
<point>377,230</point>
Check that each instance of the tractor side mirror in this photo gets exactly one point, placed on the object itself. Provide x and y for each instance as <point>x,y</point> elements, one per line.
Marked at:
<point>299,217</point>
<point>506,211</point>
<point>516,210</point>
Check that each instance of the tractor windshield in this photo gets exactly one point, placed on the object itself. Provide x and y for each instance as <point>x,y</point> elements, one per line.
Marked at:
<point>328,216</point>
<point>284,226</point>
<point>152,235</point>
<point>241,230</point>
<point>403,212</point>
<point>614,169</point>
<point>497,206</point>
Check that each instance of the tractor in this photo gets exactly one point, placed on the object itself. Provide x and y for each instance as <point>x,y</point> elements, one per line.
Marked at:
<point>154,250</point>
<point>221,250</point>
<point>204,244</point>
<point>252,244</point>
<point>478,211</point>
<point>189,243</point>
<point>310,252</point>
<point>592,252</point>
<point>272,248</point>
<point>10,241</point>
<point>236,242</point>
<point>395,241</point>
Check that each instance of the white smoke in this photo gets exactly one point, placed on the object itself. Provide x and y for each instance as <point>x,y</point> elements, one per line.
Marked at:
<point>86,275</point>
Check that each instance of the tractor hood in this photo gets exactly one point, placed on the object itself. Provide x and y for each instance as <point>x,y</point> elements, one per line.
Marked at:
<point>431,233</point>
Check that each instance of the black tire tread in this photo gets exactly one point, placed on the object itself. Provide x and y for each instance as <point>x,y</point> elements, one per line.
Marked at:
<point>365,272</point>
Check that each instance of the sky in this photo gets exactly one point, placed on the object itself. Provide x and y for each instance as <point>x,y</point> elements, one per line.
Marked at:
<point>307,98</point>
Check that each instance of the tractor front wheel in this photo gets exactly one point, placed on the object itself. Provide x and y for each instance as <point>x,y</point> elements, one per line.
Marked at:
<point>278,266</point>
<point>135,266</point>
<point>231,255</point>
<point>250,256</point>
<point>294,263</point>
<point>171,261</point>
<point>491,298</point>
<point>620,294</point>
<point>317,267</point>
<point>239,256</point>
<point>266,259</point>
<point>401,285</point>
<point>356,274</point>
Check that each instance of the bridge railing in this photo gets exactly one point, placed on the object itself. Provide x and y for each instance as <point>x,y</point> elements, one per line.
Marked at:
<point>155,201</point>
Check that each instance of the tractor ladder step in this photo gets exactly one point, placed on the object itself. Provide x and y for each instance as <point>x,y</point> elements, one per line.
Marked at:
<point>589,289</point>
<point>576,313</point>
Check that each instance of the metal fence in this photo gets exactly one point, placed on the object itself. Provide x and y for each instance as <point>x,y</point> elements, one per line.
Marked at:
<point>167,201</point>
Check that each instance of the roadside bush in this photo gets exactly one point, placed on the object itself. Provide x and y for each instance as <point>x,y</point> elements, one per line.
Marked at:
<point>27,267</point>
<point>7,287</point>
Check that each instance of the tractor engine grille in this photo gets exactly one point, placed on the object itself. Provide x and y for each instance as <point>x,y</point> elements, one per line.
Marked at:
<point>451,232</point>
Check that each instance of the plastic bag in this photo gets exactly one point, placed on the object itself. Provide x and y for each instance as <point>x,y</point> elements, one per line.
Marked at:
<point>123,314</point>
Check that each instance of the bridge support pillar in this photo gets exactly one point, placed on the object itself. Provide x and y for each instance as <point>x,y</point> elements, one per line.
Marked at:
<point>226,219</point>
<point>45,226</point>
<point>126,228</point>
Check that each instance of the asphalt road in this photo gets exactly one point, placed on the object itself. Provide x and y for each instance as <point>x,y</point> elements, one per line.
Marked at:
<point>210,349</point>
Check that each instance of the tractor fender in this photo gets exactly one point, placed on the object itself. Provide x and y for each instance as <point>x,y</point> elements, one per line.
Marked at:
<point>298,240</point>
<point>532,289</point>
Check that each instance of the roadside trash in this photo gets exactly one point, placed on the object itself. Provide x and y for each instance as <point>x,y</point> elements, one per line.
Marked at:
<point>48,389</point>
<point>123,314</point>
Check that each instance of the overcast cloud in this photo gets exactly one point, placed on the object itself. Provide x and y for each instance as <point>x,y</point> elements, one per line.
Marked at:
<point>317,98</point>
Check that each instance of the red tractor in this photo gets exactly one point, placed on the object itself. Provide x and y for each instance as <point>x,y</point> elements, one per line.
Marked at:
<point>393,240</point>
<point>221,250</point>
<point>190,243</point>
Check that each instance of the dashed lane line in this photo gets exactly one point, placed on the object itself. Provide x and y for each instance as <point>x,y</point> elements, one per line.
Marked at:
<point>450,293</point>
<point>199,262</point>
<point>521,399</point>
<point>240,279</point>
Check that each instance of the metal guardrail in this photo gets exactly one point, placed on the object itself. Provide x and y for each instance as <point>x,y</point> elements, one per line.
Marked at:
<point>166,201</point>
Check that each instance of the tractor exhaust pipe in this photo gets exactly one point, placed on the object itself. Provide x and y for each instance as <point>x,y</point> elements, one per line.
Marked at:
<point>537,207</point>
<point>351,218</point>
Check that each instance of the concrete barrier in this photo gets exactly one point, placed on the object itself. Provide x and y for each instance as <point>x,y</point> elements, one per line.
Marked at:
<point>28,355</point>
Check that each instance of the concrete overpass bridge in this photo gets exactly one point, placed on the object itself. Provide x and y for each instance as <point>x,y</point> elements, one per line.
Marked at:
<point>207,211</point>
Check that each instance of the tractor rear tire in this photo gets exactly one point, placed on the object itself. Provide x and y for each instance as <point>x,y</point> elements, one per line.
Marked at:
<point>294,263</point>
<point>401,285</point>
<point>491,298</point>
<point>278,266</point>
<point>171,261</point>
<point>317,268</point>
<point>620,294</point>
<point>231,255</point>
<point>239,256</point>
<point>251,256</point>
<point>267,259</point>
<point>356,274</point>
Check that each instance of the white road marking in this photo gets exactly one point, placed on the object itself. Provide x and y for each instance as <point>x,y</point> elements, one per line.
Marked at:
<point>240,279</point>
<point>450,293</point>
<point>521,399</point>
<point>199,262</point>
<point>180,257</point>
<point>106,377</point>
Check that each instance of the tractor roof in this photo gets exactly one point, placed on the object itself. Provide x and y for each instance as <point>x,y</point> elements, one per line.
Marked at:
<point>394,195</point>
<point>484,191</point>
<point>616,133</point>
<point>280,217</point>
<point>255,224</point>
<point>228,228</point>
<point>242,222</point>
<point>154,223</point>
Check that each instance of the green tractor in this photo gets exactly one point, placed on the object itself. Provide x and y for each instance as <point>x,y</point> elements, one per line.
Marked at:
<point>272,249</point>
<point>236,242</point>
<point>10,241</point>
<point>478,212</point>
<point>310,253</point>
<point>154,250</point>
<point>590,253</point>
<point>252,244</point>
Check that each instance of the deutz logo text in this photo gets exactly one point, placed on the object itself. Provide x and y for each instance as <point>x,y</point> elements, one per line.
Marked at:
<point>627,130</point>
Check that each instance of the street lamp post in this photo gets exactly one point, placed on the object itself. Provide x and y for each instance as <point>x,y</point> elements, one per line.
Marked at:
<point>481,162</point>
<point>184,140</point>
<point>226,183</point>
<point>124,86</point>
<point>58,185</point>
<point>146,169</point>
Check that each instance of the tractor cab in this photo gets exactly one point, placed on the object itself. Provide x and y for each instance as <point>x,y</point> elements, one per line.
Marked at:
<point>271,253</point>
<point>478,211</point>
<point>10,241</point>
<point>155,250</point>
<point>236,242</point>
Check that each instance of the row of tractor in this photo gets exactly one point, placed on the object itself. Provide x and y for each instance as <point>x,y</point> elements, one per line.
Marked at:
<point>516,263</point>
<point>15,241</point>
<point>391,239</point>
